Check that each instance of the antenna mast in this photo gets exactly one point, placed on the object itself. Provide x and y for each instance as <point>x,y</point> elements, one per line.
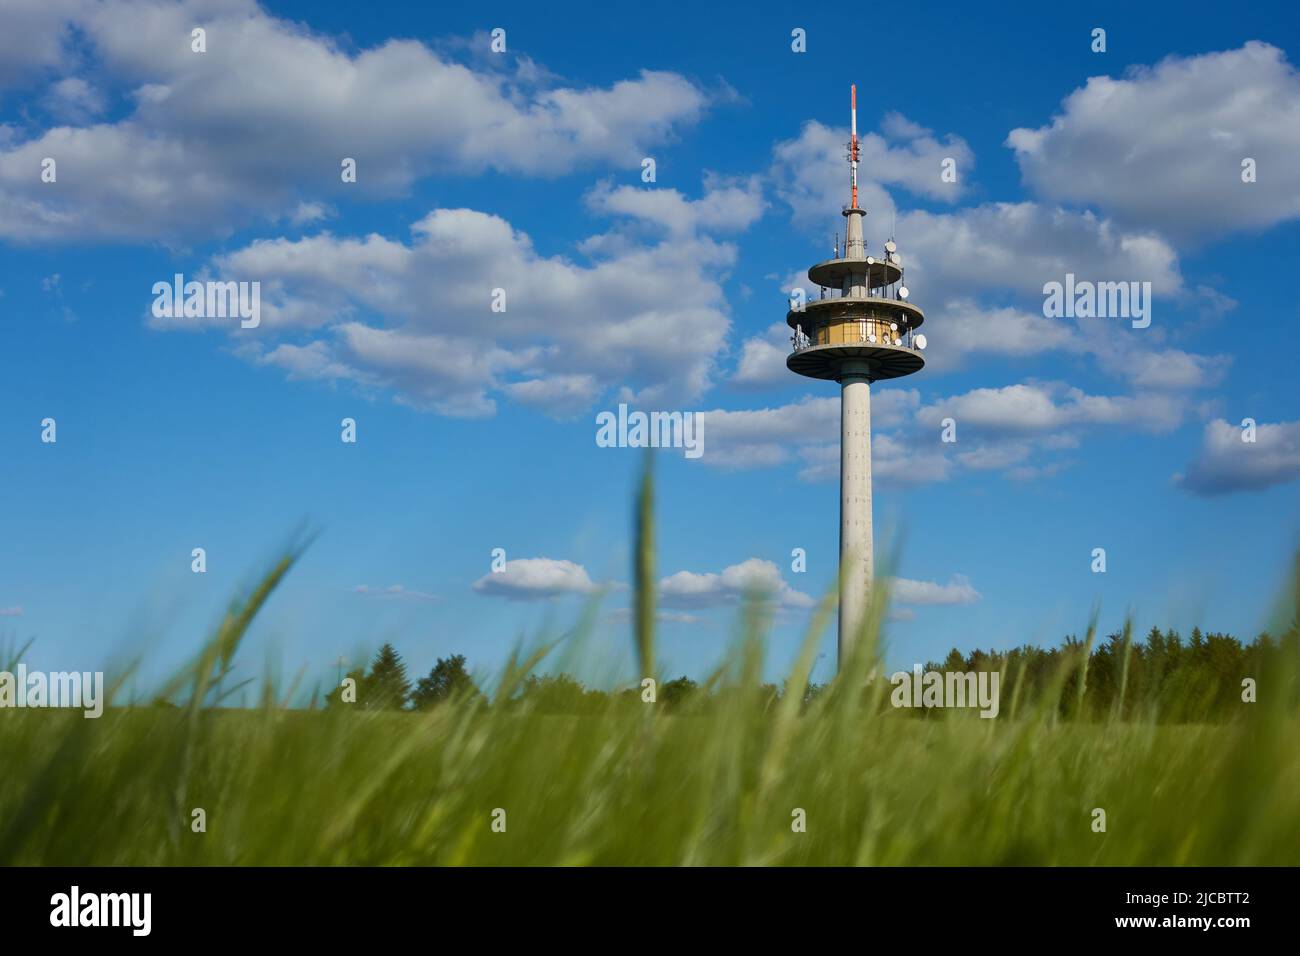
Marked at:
<point>853,143</point>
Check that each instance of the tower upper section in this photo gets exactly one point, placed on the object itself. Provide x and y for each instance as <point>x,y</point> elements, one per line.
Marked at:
<point>862,317</point>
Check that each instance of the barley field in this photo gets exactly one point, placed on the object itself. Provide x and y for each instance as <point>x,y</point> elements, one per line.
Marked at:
<point>742,777</point>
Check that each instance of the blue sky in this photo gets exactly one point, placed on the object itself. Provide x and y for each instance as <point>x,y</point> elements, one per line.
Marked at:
<point>522,170</point>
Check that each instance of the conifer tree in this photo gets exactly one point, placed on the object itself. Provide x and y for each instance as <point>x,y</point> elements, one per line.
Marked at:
<point>386,686</point>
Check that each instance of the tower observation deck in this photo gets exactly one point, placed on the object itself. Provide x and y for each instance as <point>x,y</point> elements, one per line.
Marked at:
<point>863,331</point>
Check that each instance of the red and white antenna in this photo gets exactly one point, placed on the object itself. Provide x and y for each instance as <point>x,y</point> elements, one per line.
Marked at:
<point>853,144</point>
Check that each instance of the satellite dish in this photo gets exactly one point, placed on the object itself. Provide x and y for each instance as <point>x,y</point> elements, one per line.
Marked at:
<point>893,326</point>
<point>893,257</point>
<point>902,292</point>
<point>898,341</point>
<point>920,341</point>
<point>871,337</point>
<point>871,260</point>
<point>891,246</point>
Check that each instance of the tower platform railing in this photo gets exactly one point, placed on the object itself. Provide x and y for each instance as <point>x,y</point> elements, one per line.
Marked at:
<point>907,339</point>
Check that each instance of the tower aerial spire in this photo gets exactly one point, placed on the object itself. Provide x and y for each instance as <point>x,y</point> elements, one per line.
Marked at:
<point>863,334</point>
<point>853,143</point>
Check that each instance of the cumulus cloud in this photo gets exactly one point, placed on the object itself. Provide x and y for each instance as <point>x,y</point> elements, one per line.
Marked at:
<point>1166,368</point>
<point>416,317</point>
<point>535,579</point>
<point>1226,463</point>
<point>1019,430</point>
<point>971,330</point>
<point>958,590</point>
<point>1018,247</point>
<point>727,205</point>
<point>1029,408</point>
<point>762,359</point>
<point>1163,146</point>
<point>688,590</point>
<point>810,173</point>
<point>559,395</point>
<point>769,436</point>
<point>74,100</point>
<point>806,432</point>
<point>34,37</point>
<point>902,457</point>
<point>240,133</point>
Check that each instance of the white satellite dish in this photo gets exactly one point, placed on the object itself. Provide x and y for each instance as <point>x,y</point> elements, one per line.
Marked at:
<point>871,260</point>
<point>893,257</point>
<point>891,246</point>
<point>920,341</point>
<point>893,326</point>
<point>902,292</point>
<point>871,337</point>
<point>898,341</point>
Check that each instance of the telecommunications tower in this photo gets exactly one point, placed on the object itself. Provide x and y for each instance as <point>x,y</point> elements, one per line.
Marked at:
<point>860,331</point>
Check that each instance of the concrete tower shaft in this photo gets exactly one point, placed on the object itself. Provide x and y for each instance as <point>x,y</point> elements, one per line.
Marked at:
<point>856,559</point>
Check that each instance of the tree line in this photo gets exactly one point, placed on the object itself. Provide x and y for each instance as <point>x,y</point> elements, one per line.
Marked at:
<point>1204,678</point>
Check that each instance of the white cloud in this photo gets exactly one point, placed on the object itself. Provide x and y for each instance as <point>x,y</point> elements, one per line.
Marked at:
<point>907,458</point>
<point>260,122</point>
<point>1044,407</point>
<point>558,395</point>
<point>1163,146</point>
<point>535,579</point>
<point>762,359</point>
<point>417,317</point>
<point>725,206</point>
<point>1166,368</point>
<point>963,328</point>
<point>14,611</point>
<point>1021,246</point>
<point>1228,464</point>
<point>686,589</point>
<point>33,37</point>
<point>995,456</point>
<point>903,457</point>
<point>812,176</point>
<point>74,100</point>
<point>998,429</point>
<point>958,590</point>
<point>308,212</point>
<point>768,436</point>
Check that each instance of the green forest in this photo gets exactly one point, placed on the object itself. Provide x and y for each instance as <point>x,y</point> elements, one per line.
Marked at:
<point>1207,677</point>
